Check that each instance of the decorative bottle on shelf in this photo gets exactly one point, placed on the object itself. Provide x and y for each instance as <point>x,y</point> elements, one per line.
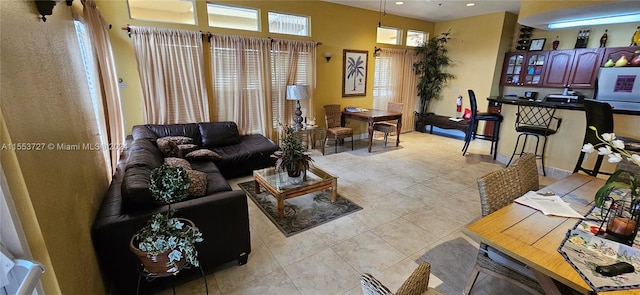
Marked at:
<point>579,39</point>
<point>555,43</point>
<point>603,39</point>
<point>635,39</point>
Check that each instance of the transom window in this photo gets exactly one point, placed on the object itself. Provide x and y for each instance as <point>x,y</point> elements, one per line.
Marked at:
<point>170,11</point>
<point>290,24</point>
<point>233,17</point>
<point>416,38</point>
<point>387,35</point>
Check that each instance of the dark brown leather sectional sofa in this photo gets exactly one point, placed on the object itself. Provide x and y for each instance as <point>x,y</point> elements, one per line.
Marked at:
<point>221,214</point>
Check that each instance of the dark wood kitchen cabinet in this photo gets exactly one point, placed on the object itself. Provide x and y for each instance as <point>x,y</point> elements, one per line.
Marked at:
<point>523,68</point>
<point>576,68</point>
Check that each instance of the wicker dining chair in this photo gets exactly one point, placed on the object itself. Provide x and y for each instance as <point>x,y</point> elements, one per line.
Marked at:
<point>387,127</point>
<point>498,189</point>
<point>416,284</point>
<point>335,131</point>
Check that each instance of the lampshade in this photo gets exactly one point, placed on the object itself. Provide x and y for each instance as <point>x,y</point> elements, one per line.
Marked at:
<point>297,92</point>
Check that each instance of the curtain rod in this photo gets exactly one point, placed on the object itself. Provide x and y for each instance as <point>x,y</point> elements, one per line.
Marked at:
<point>207,34</point>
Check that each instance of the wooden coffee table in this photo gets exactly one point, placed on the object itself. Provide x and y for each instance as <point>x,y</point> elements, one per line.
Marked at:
<point>282,187</point>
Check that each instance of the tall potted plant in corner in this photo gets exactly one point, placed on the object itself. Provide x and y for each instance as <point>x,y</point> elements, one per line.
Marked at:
<point>430,67</point>
<point>166,243</point>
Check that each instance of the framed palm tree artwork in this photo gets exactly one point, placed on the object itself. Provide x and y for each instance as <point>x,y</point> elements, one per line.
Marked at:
<point>354,72</point>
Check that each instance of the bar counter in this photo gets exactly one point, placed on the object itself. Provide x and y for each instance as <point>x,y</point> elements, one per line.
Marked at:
<point>558,105</point>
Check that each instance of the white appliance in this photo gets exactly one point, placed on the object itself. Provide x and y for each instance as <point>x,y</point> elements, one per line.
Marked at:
<point>620,87</point>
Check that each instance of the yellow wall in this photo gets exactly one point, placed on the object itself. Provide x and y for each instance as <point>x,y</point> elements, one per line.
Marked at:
<point>337,27</point>
<point>477,44</point>
<point>43,100</point>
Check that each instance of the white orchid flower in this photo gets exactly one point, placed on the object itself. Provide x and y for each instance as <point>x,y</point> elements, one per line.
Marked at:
<point>588,148</point>
<point>608,136</point>
<point>618,144</point>
<point>605,150</point>
<point>614,158</point>
<point>635,158</point>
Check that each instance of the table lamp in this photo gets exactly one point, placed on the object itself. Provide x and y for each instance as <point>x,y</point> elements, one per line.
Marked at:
<point>297,93</point>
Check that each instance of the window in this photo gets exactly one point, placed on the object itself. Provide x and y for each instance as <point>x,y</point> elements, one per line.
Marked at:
<point>170,11</point>
<point>416,38</point>
<point>387,35</point>
<point>282,23</point>
<point>233,17</point>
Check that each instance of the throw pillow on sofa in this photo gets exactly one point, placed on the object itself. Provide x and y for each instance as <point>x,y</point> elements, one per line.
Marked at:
<point>198,184</point>
<point>187,148</point>
<point>168,148</point>
<point>177,162</point>
<point>203,154</point>
<point>179,139</point>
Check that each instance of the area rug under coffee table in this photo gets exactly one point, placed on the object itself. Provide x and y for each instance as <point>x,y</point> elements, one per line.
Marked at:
<point>303,212</point>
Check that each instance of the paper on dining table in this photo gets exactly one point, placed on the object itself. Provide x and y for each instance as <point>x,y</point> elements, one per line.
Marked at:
<point>548,205</point>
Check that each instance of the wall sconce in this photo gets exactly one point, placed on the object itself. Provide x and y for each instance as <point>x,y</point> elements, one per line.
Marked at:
<point>327,55</point>
<point>45,7</point>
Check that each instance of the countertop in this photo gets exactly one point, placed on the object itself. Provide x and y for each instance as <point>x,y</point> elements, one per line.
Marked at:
<point>557,105</point>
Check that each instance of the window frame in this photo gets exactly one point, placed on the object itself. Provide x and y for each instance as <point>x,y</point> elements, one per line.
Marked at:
<point>399,34</point>
<point>307,26</point>
<point>409,31</point>
<point>258,19</point>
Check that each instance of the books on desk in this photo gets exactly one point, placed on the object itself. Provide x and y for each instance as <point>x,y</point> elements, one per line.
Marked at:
<point>548,205</point>
<point>355,109</point>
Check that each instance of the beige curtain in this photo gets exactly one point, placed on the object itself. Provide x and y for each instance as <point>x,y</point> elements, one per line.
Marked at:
<point>396,82</point>
<point>99,31</point>
<point>171,68</point>
<point>293,62</point>
<point>241,82</point>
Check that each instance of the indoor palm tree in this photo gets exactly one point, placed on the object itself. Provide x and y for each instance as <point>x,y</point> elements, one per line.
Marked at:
<point>432,60</point>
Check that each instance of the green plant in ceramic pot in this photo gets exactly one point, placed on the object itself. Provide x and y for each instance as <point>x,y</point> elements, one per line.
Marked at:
<point>166,243</point>
<point>623,212</point>
<point>292,157</point>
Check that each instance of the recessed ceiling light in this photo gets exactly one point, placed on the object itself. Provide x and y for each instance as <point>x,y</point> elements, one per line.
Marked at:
<point>399,2</point>
<point>471,4</point>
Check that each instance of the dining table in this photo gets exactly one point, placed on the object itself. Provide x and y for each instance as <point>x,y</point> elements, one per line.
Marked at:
<point>371,116</point>
<point>533,238</point>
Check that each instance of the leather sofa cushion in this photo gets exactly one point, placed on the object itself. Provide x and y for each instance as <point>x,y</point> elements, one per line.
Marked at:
<point>147,145</point>
<point>218,134</point>
<point>142,132</point>
<point>135,189</point>
<point>143,158</point>
<point>188,130</point>
<point>253,148</point>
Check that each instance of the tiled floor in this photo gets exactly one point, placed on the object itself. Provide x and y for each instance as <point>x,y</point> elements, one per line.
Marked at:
<point>416,199</point>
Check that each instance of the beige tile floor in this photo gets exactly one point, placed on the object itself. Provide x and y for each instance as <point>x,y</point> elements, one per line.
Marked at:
<point>416,198</point>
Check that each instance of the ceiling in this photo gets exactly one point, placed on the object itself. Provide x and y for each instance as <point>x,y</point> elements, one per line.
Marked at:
<point>435,10</point>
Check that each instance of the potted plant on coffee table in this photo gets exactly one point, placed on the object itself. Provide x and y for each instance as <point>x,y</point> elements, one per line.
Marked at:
<point>166,243</point>
<point>292,157</point>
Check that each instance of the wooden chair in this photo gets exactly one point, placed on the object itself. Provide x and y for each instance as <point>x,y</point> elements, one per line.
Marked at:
<point>498,189</point>
<point>416,284</point>
<point>473,126</point>
<point>389,126</point>
<point>335,131</point>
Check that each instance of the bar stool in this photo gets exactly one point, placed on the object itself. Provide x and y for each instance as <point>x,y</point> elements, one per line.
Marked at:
<point>600,115</point>
<point>473,125</point>
<point>538,122</point>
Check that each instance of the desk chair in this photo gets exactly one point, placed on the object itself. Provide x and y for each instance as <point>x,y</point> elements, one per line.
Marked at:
<point>473,126</point>
<point>600,115</point>
<point>498,189</point>
<point>389,126</point>
<point>537,122</point>
<point>335,131</point>
<point>416,284</point>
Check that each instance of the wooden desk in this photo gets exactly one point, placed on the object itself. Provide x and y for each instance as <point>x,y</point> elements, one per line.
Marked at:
<point>533,238</point>
<point>373,116</point>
